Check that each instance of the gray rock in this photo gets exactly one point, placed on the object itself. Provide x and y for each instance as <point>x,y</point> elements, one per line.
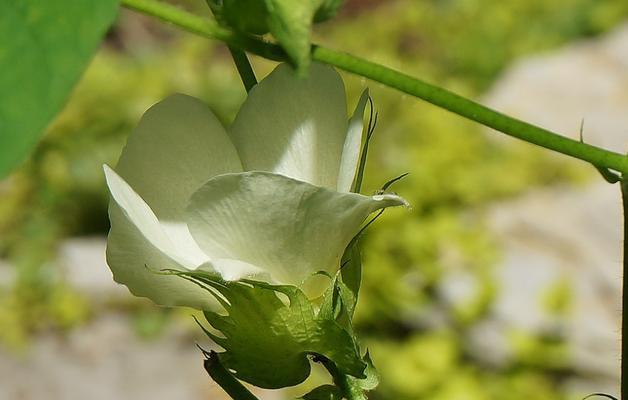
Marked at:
<point>570,234</point>
<point>586,80</point>
<point>7,274</point>
<point>106,360</point>
<point>567,233</point>
<point>82,261</point>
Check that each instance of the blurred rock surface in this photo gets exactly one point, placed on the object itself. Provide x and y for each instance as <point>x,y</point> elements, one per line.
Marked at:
<point>567,233</point>
<point>586,80</point>
<point>82,261</point>
<point>106,360</point>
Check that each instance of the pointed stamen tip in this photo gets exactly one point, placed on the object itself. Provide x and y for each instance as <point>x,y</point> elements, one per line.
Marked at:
<point>392,200</point>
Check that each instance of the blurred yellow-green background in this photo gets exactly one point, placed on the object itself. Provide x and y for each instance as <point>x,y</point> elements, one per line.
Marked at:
<point>502,282</point>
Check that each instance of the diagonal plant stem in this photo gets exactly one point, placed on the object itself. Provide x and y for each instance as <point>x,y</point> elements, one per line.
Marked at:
<point>241,61</point>
<point>472,110</point>
<point>438,96</point>
<point>204,27</point>
<point>244,68</point>
<point>224,379</point>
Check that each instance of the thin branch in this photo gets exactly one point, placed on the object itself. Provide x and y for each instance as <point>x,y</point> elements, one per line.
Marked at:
<point>474,111</point>
<point>440,97</point>
<point>244,68</point>
<point>241,61</point>
<point>433,94</point>
<point>204,27</point>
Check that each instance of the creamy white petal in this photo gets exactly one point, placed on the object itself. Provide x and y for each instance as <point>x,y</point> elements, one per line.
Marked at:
<point>289,228</point>
<point>138,244</point>
<point>131,257</point>
<point>352,146</point>
<point>294,127</point>
<point>139,214</point>
<point>177,146</point>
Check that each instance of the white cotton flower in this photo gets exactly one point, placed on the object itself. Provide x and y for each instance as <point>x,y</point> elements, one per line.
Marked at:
<point>267,199</point>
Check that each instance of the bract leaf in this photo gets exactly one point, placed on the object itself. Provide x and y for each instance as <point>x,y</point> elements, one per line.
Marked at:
<point>352,147</point>
<point>46,47</point>
<point>351,270</point>
<point>270,330</point>
<point>372,376</point>
<point>290,22</point>
<point>338,304</point>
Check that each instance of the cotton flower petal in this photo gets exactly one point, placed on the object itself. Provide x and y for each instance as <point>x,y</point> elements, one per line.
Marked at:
<point>289,228</point>
<point>352,146</point>
<point>177,146</point>
<point>138,246</point>
<point>293,126</point>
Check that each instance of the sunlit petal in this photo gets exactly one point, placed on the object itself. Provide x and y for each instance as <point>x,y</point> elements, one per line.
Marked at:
<point>294,126</point>
<point>288,228</point>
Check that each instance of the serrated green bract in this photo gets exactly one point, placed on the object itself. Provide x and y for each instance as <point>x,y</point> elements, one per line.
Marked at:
<point>372,376</point>
<point>290,22</point>
<point>270,330</point>
<point>351,271</point>
<point>338,304</point>
<point>45,47</point>
<point>325,392</point>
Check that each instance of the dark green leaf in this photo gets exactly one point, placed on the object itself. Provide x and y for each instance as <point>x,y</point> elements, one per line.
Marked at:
<point>325,392</point>
<point>247,16</point>
<point>46,45</point>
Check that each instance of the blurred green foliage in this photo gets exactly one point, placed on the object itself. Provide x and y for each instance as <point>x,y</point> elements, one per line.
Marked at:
<point>419,337</point>
<point>60,192</point>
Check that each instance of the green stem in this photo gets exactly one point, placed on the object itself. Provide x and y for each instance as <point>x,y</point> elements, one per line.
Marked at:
<point>624,295</point>
<point>241,61</point>
<point>395,79</point>
<point>243,65</point>
<point>471,110</point>
<point>224,379</point>
<point>204,27</point>
<point>349,389</point>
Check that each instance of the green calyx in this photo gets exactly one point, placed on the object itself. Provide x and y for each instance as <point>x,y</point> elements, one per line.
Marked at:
<point>289,21</point>
<point>270,330</point>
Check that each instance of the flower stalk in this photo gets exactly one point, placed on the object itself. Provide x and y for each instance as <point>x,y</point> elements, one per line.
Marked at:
<point>438,96</point>
<point>224,379</point>
<point>242,64</point>
<point>244,68</point>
